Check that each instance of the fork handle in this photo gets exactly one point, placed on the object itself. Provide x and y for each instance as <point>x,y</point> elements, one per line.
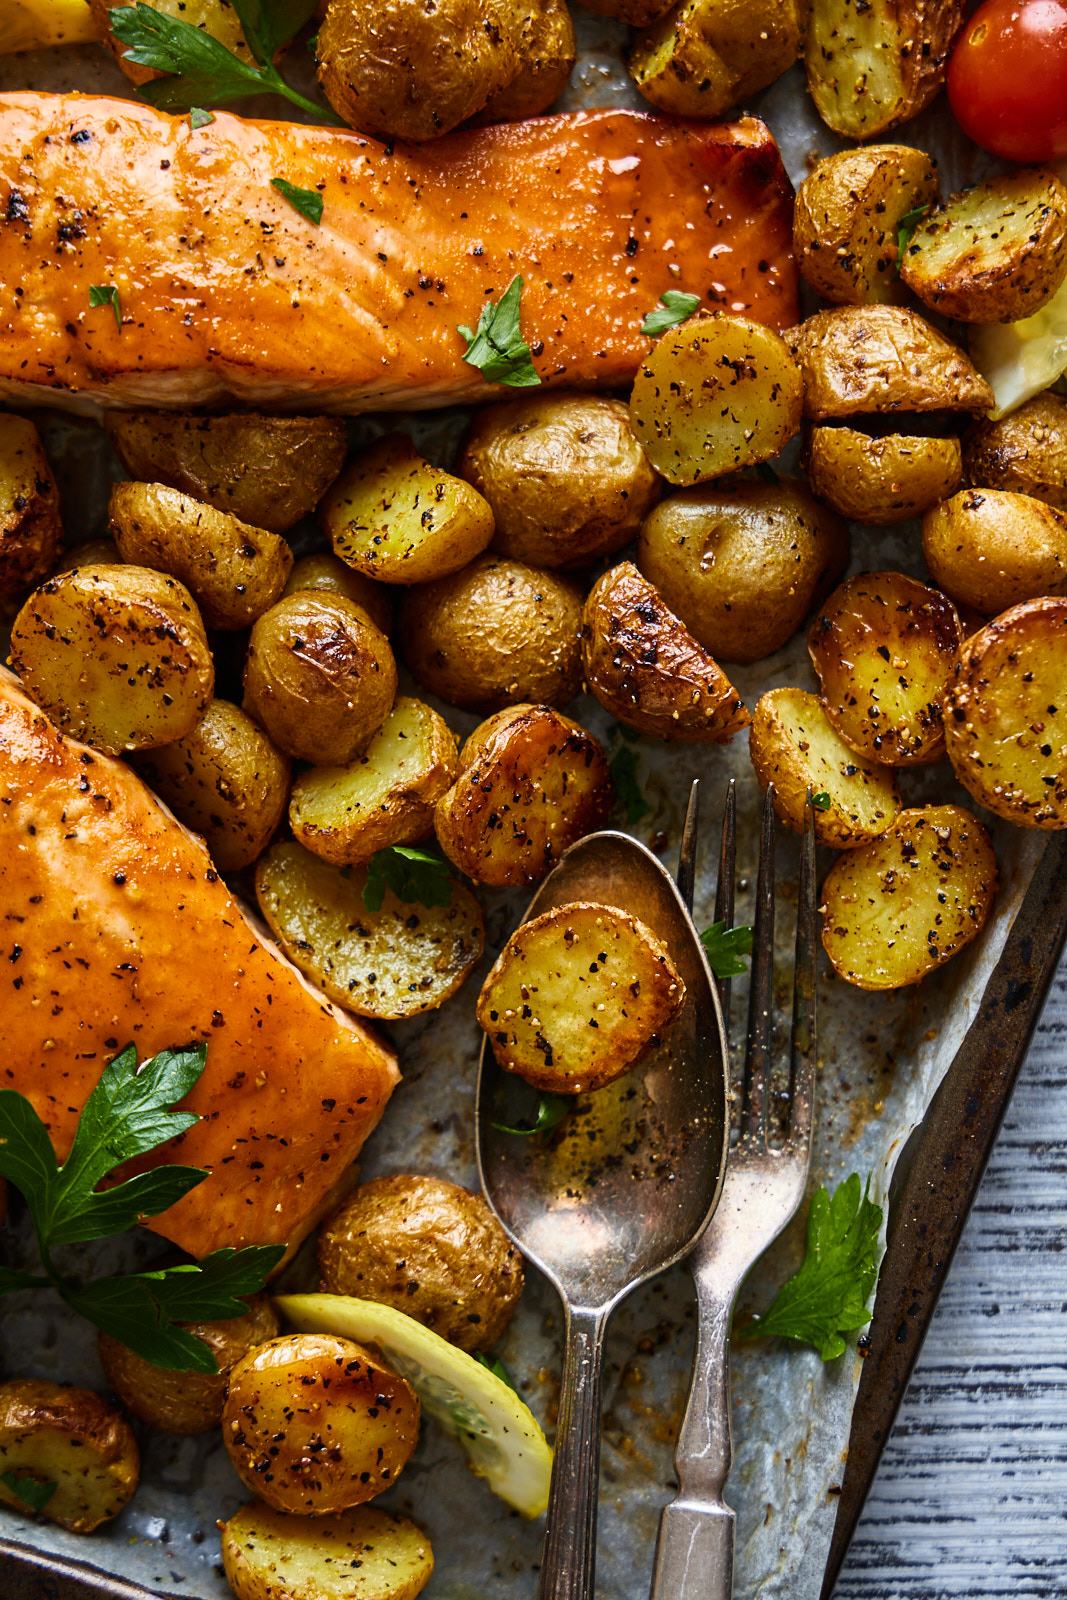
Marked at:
<point>694,1552</point>
<point>568,1560</point>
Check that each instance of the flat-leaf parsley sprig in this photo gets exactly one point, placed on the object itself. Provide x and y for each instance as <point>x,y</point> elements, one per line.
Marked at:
<point>675,307</point>
<point>414,876</point>
<point>724,948</point>
<point>496,347</point>
<point>128,1113</point>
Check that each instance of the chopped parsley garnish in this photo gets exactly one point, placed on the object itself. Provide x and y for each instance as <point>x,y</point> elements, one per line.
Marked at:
<point>822,800</point>
<point>675,306</point>
<point>414,876</point>
<point>307,201</point>
<point>106,294</point>
<point>551,1110</point>
<point>497,347</point>
<point>724,948</point>
<point>624,771</point>
<point>199,118</point>
<point>905,228</point>
<point>31,1491</point>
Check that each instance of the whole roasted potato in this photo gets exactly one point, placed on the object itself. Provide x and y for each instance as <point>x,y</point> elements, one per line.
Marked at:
<point>326,572</point>
<point>30,529</point>
<point>883,359</point>
<point>268,1555</point>
<point>543,35</point>
<point>881,480</point>
<point>429,1248</point>
<point>743,564</point>
<point>70,1438</point>
<point>1025,451</point>
<point>564,474</point>
<point>706,55</point>
<point>991,549</point>
<point>876,64</point>
<point>496,634</point>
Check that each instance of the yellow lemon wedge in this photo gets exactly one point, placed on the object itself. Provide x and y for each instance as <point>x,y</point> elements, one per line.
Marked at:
<point>1019,359</point>
<point>32,24</point>
<point>501,1436</point>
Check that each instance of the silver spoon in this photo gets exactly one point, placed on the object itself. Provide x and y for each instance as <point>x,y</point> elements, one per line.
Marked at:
<point>625,1186</point>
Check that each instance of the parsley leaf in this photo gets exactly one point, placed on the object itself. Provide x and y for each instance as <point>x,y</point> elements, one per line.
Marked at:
<point>551,1110</point>
<point>199,118</point>
<point>677,306</point>
<point>414,876</point>
<point>623,766</point>
<point>822,800</point>
<point>905,228</point>
<point>307,201</point>
<point>828,1297</point>
<point>724,948</point>
<point>106,294</point>
<point>494,1365</point>
<point>31,1491</point>
<point>497,348</point>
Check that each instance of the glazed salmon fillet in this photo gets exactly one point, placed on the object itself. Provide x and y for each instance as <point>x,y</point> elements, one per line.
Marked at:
<point>227,293</point>
<point>114,927</point>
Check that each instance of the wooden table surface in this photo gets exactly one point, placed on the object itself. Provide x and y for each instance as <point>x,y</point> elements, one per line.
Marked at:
<point>971,1495</point>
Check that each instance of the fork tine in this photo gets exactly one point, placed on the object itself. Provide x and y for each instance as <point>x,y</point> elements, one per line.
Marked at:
<point>757,1044</point>
<point>724,889</point>
<point>687,855</point>
<point>802,1047</point>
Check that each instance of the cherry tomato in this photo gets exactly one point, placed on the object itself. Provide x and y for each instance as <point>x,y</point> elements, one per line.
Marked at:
<point>1007,79</point>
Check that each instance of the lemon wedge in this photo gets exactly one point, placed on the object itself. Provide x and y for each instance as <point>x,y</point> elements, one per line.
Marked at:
<point>32,24</point>
<point>1019,359</point>
<point>501,1436</point>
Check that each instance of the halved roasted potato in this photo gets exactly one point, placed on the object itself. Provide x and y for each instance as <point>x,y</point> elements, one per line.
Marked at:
<point>215,17</point>
<point>991,549</point>
<point>897,908</point>
<point>994,253</point>
<point>52,1434</point>
<point>385,797</point>
<point>530,783</point>
<point>645,667</point>
<point>577,996</point>
<point>326,572</point>
<point>398,961</point>
<point>1006,715</point>
<point>1025,452</point>
<point>360,1554</point>
<point>714,395</point>
<point>543,35</point>
<point>846,218</point>
<point>30,528</point>
<point>706,55</point>
<point>117,656</point>
<point>875,360</point>
<point>881,480</point>
<point>875,63</point>
<point>794,746</point>
<point>884,646</point>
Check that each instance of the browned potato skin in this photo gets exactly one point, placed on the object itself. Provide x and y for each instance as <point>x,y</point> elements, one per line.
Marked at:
<point>32,1411</point>
<point>881,481</point>
<point>498,633</point>
<point>705,56</point>
<point>565,477</point>
<point>216,17</point>
<point>645,667</point>
<point>333,576</point>
<point>430,1249</point>
<point>30,528</point>
<point>1025,451</point>
<point>881,359</point>
<point>845,221</point>
<point>543,35</point>
<point>314,1424</point>
<point>991,549</point>
<point>187,1402</point>
<point>268,1555</point>
<point>873,66</point>
<point>742,564</point>
<point>320,677</point>
<point>268,471</point>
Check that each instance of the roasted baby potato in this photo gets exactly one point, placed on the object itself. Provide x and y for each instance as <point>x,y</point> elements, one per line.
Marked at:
<point>1006,715</point>
<point>882,359</point>
<point>897,908</point>
<point>387,795</point>
<point>325,572</point>
<point>430,1249</point>
<point>117,656</point>
<point>398,961</point>
<point>320,677</point>
<point>30,529</point>
<point>393,517</point>
<point>268,471</point>
<point>884,646</point>
<point>1025,452</point>
<point>991,549</point>
<point>577,996</point>
<point>645,667</point>
<point>543,35</point>
<point>496,634</point>
<point>187,1402</point>
<point>215,17</point>
<point>314,1424</point>
<point>706,55</point>
<point>70,1437</point>
<point>715,395</point>
<point>225,781</point>
<point>234,571</point>
<point>530,783</point>
<point>565,477</point>
<point>793,746</point>
<point>846,218</point>
<point>362,1554</point>
<point>877,63</point>
<point>994,253</point>
<point>743,564</point>
<point>881,480</point>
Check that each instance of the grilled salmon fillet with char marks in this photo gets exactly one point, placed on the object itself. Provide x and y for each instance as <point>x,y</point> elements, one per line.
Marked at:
<point>227,293</point>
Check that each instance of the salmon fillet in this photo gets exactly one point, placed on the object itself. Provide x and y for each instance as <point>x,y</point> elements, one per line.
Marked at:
<point>228,294</point>
<point>115,927</point>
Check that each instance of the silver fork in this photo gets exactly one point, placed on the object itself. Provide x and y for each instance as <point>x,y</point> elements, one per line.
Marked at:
<point>762,1190</point>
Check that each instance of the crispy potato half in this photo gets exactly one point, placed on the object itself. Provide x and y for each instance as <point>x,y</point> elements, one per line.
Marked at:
<point>396,962</point>
<point>1025,452</point>
<point>30,528</point>
<point>385,797</point>
<point>395,518</point>
<point>117,656</point>
<point>882,359</point>
<point>645,667</point>
<point>714,395</point>
<point>706,55</point>
<point>70,1437</point>
<point>530,783</point>
<point>884,646</point>
<point>846,218</point>
<point>903,905</point>
<point>325,572</point>
<point>577,996</point>
<point>881,480</point>
<point>991,549</point>
<point>214,17</point>
<point>543,35</point>
<point>361,1554</point>
<point>994,253</point>
<point>268,471</point>
<point>1006,715</point>
<point>872,64</point>
<point>794,746</point>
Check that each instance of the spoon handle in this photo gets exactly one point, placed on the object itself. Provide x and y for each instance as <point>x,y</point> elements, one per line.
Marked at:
<point>568,1560</point>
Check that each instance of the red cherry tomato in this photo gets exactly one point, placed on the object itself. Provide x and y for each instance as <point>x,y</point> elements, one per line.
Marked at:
<point>1007,79</point>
